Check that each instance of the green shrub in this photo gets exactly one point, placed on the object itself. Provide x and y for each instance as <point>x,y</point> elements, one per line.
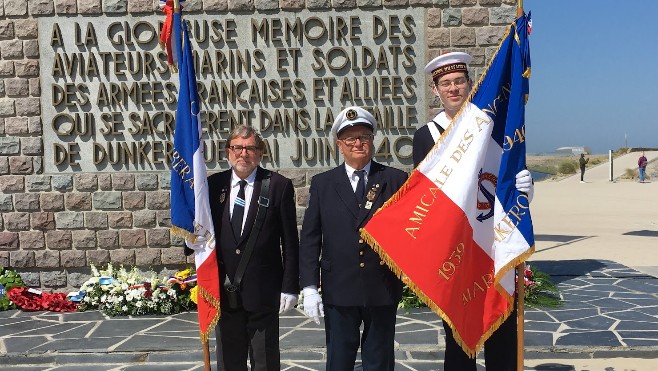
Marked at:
<point>567,167</point>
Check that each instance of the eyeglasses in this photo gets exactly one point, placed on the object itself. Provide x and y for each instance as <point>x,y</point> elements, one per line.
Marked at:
<point>238,149</point>
<point>365,139</point>
<point>446,84</point>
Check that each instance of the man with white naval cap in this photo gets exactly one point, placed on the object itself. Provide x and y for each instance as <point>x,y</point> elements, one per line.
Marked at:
<point>357,287</point>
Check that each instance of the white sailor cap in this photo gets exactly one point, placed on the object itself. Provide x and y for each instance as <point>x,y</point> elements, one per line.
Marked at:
<point>353,116</point>
<point>448,63</point>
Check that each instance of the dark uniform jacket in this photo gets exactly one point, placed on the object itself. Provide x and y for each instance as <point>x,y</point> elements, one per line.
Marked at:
<point>274,266</point>
<point>332,254</point>
<point>423,142</point>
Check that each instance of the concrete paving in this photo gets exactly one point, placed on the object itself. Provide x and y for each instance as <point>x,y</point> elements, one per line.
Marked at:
<point>598,240</point>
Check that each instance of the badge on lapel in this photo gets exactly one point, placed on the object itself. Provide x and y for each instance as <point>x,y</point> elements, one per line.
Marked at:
<point>371,196</point>
<point>222,196</point>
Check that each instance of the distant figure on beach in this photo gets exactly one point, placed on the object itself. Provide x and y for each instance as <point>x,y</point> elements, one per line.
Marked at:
<point>642,166</point>
<point>583,161</point>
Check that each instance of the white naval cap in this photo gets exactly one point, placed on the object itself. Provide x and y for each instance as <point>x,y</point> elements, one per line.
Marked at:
<point>448,63</point>
<point>353,116</point>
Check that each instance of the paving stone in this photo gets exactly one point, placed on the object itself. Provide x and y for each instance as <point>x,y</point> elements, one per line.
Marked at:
<point>589,338</point>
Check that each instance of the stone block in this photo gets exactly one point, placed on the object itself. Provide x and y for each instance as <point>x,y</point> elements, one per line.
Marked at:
<point>421,3</point>
<point>123,182</point>
<point>7,109</point>
<point>9,146</point>
<point>462,3</point>
<point>368,3</point>
<point>241,5</point>
<point>73,258</point>
<point>6,203</point>
<point>35,87</point>
<point>69,220</point>
<point>26,28</point>
<point>292,4</point>
<point>6,29</point>
<point>17,221</point>
<point>52,202</point>
<point>115,6</point>
<point>302,195</point>
<point>172,255</point>
<point>15,7</point>
<point>34,125</point>
<point>452,17</point>
<point>105,182</point>
<point>132,238</point>
<point>165,182</point>
<point>21,259</point>
<point>140,6</point>
<point>30,106</point>
<point>31,50</point>
<point>53,279</point>
<point>134,200</point>
<point>395,3</point>
<point>4,164</point>
<point>26,202</point>
<point>146,182</point>
<point>164,218</point>
<point>32,146</point>
<point>120,219</point>
<point>78,201</point>
<point>85,182</point>
<point>318,4</point>
<point>6,68</point>
<point>31,279</point>
<point>37,183</point>
<point>62,183</point>
<point>490,2</point>
<point>77,279</point>
<point>84,239</point>
<point>12,183</point>
<point>489,35</point>
<point>31,240</point>
<point>41,7</point>
<point>42,221</point>
<point>147,257</point>
<point>11,49</point>
<point>8,240</point>
<point>108,239</point>
<point>158,237</point>
<point>144,219</point>
<point>16,126</point>
<point>4,258</point>
<point>107,200</point>
<point>59,240</point>
<point>96,220</point>
<point>463,36</point>
<point>502,15</point>
<point>98,257</point>
<point>193,6</point>
<point>66,6</point>
<point>475,17</point>
<point>89,7</point>
<point>21,165</point>
<point>18,87</point>
<point>124,257</point>
<point>27,68</point>
<point>215,5</point>
<point>266,4</point>
<point>158,200</point>
<point>297,176</point>
<point>46,259</point>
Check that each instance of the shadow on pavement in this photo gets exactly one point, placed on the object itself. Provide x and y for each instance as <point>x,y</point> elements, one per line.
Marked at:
<point>642,233</point>
<point>564,270</point>
<point>554,367</point>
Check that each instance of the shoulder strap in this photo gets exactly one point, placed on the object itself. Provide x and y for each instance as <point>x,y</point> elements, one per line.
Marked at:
<point>263,204</point>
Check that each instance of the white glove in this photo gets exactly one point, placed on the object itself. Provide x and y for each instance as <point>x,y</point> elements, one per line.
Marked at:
<point>198,245</point>
<point>313,303</point>
<point>524,183</point>
<point>288,301</point>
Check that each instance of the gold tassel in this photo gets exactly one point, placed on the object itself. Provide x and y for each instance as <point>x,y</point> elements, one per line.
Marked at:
<point>214,302</point>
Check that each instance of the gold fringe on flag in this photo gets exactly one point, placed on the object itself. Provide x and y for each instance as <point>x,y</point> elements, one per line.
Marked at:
<point>214,302</point>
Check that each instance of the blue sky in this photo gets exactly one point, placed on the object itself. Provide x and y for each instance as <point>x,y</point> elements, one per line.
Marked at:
<point>594,74</point>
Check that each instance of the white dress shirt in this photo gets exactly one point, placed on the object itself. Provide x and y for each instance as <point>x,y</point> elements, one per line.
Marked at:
<point>355,179</point>
<point>248,192</point>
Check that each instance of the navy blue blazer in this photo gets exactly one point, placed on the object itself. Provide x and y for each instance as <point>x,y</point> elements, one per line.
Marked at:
<point>332,254</point>
<point>273,266</point>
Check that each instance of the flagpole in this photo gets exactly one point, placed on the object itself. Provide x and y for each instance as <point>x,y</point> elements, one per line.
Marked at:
<point>520,281</point>
<point>206,345</point>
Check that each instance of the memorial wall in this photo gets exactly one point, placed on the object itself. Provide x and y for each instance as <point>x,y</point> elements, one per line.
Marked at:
<point>87,108</point>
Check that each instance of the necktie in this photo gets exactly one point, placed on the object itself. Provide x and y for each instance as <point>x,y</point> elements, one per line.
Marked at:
<point>238,211</point>
<point>360,191</point>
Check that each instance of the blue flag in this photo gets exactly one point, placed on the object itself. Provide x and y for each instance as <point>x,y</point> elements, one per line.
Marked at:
<point>190,208</point>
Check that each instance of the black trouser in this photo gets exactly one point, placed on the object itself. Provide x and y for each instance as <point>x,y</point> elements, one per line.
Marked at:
<point>241,333</point>
<point>499,350</point>
<point>341,326</point>
<point>582,174</point>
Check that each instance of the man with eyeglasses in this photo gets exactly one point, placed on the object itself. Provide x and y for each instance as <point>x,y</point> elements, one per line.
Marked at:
<point>452,85</point>
<point>357,287</point>
<point>249,324</point>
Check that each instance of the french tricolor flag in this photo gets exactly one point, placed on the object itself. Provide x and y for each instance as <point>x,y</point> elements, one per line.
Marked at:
<point>458,227</point>
<point>190,209</point>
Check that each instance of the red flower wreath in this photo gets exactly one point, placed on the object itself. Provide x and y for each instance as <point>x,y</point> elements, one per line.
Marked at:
<point>32,300</point>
